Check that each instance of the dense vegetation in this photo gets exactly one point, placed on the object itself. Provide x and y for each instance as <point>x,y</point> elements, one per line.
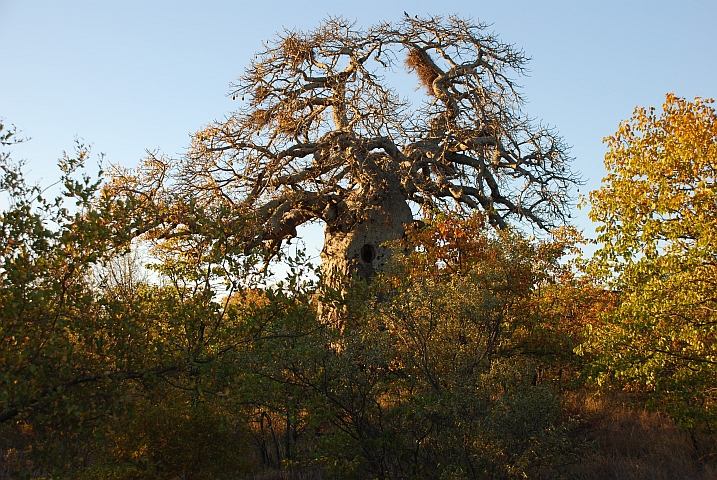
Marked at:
<point>479,352</point>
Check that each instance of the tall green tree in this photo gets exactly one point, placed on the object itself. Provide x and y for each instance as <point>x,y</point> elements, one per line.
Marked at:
<point>658,213</point>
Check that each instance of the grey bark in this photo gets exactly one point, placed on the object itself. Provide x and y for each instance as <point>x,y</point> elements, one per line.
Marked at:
<point>354,240</point>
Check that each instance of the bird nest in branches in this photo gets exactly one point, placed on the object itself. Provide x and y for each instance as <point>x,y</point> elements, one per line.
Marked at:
<point>283,119</point>
<point>260,117</point>
<point>296,50</point>
<point>287,123</point>
<point>415,62</point>
<point>261,92</point>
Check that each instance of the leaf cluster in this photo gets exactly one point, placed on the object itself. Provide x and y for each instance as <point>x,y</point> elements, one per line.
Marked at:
<point>657,209</point>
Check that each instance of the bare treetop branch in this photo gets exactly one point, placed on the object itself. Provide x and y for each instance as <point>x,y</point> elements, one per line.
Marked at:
<point>322,134</point>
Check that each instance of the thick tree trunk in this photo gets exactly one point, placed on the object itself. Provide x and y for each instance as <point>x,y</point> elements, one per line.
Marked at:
<point>354,236</point>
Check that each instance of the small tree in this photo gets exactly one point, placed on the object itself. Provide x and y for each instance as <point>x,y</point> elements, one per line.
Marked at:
<point>89,352</point>
<point>659,217</point>
<point>322,135</point>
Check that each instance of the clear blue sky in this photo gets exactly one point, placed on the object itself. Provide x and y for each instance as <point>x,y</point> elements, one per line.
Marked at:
<point>133,75</point>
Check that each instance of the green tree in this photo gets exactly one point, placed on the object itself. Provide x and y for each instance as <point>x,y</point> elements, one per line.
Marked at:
<point>436,370</point>
<point>51,327</point>
<point>658,214</point>
<point>87,349</point>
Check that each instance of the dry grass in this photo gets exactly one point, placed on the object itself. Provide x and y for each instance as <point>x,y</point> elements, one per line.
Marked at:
<point>314,473</point>
<point>620,443</point>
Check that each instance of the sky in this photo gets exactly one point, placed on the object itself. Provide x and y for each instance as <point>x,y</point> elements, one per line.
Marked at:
<point>130,76</point>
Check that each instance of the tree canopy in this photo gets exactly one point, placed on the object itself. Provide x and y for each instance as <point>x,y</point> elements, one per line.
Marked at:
<point>322,134</point>
<point>658,220</point>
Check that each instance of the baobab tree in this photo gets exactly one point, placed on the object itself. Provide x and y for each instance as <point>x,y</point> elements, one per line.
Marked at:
<point>323,135</point>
